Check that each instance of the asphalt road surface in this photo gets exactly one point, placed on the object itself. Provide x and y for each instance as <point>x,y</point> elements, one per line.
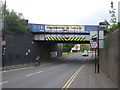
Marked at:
<point>54,75</point>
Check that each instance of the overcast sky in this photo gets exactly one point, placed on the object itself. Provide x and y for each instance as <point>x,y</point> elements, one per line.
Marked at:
<point>80,12</point>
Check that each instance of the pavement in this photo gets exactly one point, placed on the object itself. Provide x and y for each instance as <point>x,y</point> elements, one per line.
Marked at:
<point>87,78</point>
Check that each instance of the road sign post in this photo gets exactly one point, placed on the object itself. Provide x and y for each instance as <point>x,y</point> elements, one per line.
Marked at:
<point>94,45</point>
<point>95,61</point>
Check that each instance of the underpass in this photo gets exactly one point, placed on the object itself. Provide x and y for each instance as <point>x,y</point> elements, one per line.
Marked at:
<point>23,49</point>
<point>57,34</point>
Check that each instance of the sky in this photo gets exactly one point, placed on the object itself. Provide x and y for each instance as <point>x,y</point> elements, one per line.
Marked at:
<point>63,12</point>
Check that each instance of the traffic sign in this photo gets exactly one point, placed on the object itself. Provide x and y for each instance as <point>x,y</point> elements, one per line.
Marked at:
<point>3,43</point>
<point>94,44</point>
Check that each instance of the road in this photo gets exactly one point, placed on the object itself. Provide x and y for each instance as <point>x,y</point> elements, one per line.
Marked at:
<point>54,75</point>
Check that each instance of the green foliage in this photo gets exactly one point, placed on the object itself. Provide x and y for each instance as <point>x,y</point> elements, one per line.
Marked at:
<point>107,23</point>
<point>114,25</point>
<point>0,11</point>
<point>66,53</point>
<point>67,46</point>
<point>118,24</point>
<point>84,47</point>
<point>15,22</point>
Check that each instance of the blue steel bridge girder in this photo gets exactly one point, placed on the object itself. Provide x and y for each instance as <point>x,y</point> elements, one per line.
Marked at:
<point>53,33</point>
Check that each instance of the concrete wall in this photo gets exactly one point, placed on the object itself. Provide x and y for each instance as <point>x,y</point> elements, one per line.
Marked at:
<point>0,50</point>
<point>18,45</point>
<point>109,57</point>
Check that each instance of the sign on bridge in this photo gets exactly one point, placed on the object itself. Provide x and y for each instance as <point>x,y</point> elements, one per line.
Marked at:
<point>60,27</point>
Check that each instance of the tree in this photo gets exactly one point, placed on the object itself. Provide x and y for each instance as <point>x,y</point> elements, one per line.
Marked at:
<point>67,47</point>
<point>84,47</point>
<point>112,13</point>
<point>112,23</point>
<point>0,10</point>
<point>15,21</point>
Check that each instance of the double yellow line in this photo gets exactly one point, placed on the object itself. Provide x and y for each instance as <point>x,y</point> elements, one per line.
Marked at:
<point>69,82</point>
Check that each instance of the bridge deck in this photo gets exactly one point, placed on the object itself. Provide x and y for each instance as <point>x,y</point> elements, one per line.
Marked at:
<point>80,42</point>
<point>60,33</point>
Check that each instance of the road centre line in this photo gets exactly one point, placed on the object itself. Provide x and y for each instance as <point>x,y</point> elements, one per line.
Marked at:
<point>33,73</point>
<point>69,82</point>
<point>3,82</point>
<point>74,77</point>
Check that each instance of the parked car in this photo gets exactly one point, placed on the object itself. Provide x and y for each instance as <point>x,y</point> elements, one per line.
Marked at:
<point>85,53</point>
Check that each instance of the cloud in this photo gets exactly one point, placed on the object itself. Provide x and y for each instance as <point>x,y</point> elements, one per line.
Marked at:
<point>62,11</point>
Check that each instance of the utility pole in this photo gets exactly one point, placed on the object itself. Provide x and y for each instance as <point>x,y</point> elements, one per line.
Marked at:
<point>3,35</point>
<point>98,52</point>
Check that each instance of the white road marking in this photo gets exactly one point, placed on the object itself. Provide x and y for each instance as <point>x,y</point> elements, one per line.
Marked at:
<point>42,71</point>
<point>3,82</point>
<point>33,73</point>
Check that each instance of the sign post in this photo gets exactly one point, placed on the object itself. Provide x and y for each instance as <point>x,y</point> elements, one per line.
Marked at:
<point>94,45</point>
<point>98,35</point>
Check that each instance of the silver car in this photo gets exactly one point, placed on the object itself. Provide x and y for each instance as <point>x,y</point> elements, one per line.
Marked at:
<point>85,53</point>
